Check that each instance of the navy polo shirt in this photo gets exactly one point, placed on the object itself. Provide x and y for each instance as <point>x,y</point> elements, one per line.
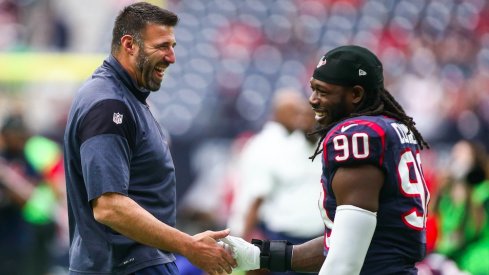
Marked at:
<point>112,143</point>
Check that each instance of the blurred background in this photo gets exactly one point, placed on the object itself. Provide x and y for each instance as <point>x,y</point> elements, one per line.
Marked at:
<point>232,57</point>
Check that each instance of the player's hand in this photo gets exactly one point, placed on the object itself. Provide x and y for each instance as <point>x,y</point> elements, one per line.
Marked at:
<point>208,255</point>
<point>246,254</point>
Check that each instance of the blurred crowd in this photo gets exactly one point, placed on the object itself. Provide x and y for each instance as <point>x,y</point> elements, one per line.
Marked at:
<point>33,216</point>
<point>232,59</point>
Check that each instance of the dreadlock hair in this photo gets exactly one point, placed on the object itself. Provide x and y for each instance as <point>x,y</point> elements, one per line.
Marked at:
<point>380,103</point>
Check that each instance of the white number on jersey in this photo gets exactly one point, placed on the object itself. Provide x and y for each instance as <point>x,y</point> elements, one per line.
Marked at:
<point>413,187</point>
<point>358,146</point>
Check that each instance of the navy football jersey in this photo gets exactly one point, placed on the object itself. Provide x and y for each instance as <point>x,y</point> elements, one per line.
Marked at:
<point>399,240</point>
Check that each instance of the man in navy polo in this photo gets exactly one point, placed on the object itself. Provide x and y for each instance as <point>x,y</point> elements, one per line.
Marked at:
<point>119,172</point>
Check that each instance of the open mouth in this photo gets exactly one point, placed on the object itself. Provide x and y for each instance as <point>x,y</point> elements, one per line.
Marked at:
<point>160,71</point>
<point>319,115</point>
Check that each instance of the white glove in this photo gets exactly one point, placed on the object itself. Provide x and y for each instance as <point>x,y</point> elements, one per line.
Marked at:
<point>226,247</point>
<point>246,255</point>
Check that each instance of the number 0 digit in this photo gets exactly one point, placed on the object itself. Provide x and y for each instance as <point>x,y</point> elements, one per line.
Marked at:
<point>359,146</point>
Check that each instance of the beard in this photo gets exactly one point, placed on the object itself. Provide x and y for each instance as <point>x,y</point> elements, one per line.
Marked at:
<point>338,112</point>
<point>148,79</point>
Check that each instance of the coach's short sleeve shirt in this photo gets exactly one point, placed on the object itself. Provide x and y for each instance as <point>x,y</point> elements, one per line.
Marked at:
<point>114,144</point>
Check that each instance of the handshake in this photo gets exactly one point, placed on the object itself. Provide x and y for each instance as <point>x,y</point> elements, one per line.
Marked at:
<point>271,255</point>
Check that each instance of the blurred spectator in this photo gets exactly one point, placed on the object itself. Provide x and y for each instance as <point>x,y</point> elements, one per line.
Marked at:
<point>276,176</point>
<point>15,189</point>
<point>31,181</point>
<point>462,208</point>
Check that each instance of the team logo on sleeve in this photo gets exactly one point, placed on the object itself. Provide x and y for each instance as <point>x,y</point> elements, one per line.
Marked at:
<point>117,118</point>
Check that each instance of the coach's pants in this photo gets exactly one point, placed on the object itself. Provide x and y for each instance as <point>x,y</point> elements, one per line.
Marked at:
<point>162,269</point>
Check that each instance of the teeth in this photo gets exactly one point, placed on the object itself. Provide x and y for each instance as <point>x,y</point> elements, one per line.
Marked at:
<point>320,113</point>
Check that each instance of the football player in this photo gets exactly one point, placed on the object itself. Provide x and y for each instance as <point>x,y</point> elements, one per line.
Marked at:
<point>374,199</point>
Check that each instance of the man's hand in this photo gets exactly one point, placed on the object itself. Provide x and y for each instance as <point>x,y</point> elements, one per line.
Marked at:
<point>208,255</point>
<point>246,254</point>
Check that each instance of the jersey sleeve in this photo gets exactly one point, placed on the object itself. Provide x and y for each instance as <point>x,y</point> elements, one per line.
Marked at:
<point>354,143</point>
<point>108,117</point>
<point>107,134</point>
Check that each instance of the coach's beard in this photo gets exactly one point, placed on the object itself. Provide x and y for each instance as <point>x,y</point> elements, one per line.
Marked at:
<point>151,75</point>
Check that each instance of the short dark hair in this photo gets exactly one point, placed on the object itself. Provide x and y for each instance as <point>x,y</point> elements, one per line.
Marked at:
<point>134,18</point>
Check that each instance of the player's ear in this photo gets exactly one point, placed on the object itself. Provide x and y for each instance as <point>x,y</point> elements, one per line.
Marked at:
<point>357,94</point>
<point>128,44</point>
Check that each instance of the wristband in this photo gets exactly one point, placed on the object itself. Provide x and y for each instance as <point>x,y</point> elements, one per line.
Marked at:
<point>275,255</point>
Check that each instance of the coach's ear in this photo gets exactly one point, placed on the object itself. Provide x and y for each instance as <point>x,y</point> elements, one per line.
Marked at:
<point>357,94</point>
<point>128,44</point>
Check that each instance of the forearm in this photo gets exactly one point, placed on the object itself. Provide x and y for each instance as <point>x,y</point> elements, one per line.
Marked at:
<point>309,256</point>
<point>277,255</point>
<point>125,216</point>
<point>352,225</point>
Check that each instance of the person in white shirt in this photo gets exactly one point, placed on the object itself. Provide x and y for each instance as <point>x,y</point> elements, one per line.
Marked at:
<point>279,185</point>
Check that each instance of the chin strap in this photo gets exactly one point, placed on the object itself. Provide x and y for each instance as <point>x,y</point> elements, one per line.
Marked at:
<point>275,255</point>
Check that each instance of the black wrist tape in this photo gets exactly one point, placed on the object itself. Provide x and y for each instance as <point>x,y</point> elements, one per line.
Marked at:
<point>274,255</point>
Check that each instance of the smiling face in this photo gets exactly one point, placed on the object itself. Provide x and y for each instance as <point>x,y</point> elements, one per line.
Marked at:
<point>155,54</point>
<point>331,103</point>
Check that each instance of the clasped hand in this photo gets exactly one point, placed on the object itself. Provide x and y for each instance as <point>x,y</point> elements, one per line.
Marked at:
<point>246,254</point>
